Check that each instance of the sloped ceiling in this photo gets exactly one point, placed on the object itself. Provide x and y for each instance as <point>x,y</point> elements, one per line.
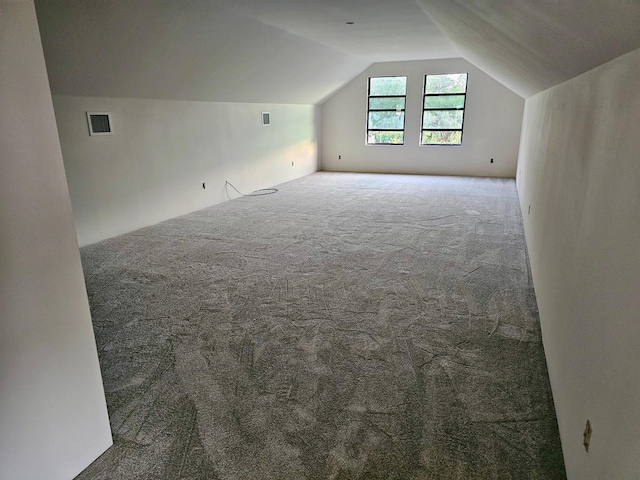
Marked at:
<point>531,45</point>
<point>382,30</point>
<point>271,51</point>
<point>301,51</point>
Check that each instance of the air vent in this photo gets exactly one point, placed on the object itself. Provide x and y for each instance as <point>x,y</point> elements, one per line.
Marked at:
<point>99,123</point>
<point>266,119</point>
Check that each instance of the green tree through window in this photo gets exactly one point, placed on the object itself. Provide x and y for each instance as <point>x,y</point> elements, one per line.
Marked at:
<point>387,97</point>
<point>443,109</point>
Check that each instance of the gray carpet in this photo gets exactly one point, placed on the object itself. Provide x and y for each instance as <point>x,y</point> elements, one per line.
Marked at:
<point>350,326</point>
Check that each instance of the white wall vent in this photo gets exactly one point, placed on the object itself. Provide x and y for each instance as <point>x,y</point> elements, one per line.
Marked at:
<point>99,123</point>
<point>266,119</point>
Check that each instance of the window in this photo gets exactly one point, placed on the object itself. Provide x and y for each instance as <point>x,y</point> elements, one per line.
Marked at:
<point>385,111</point>
<point>443,109</point>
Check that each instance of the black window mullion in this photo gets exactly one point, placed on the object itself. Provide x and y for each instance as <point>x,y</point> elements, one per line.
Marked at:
<point>441,129</point>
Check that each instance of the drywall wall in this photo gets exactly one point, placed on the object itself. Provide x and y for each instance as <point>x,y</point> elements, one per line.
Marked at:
<point>53,415</point>
<point>161,152</point>
<point>492,122</point>
<point>579,170</point>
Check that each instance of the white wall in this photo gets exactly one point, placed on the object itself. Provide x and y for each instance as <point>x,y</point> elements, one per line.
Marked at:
<point>579,170</point>
<point>152,168</point>
<point>492,122</point>
<point>53,416</point>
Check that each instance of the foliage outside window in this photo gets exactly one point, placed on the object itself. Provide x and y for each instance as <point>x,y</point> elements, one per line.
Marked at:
<point>387,98</point>
<point>443,109</point>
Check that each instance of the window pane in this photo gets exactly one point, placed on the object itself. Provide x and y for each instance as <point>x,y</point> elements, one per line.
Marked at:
<point>442,119</point>
<point>385,113</point>
<point>383,103</point>
<point>448,101</point>
<point>394,138</point>
<point>451,83</point>
<point>442,138</point>
<point>381,86</point>
<point>386,120</point>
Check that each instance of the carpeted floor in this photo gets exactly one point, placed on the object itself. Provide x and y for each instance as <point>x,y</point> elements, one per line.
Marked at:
<point>350,326</point>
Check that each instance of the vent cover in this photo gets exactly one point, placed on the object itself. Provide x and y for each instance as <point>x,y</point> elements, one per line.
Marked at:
<point>266,119</point>
<point>99,123</point>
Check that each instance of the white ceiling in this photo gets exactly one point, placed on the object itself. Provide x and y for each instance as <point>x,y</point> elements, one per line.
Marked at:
<point>531,45</point>
<point>301,51</point>
<point>382,30</point>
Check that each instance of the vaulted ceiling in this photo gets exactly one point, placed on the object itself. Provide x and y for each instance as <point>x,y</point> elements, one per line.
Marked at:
<point>531,45</point>
<point>301,51</point>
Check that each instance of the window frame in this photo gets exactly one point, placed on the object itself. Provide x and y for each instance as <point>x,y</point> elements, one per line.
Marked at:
<point>403,110</point>
<point>424,109</point>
